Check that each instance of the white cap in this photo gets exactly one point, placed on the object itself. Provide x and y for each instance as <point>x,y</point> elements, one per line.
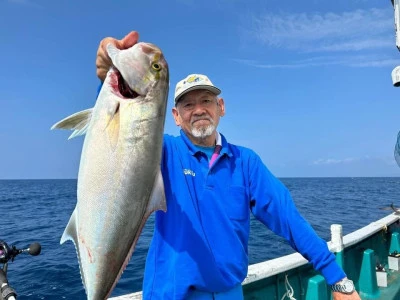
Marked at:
<point>194,82</point>
<point>396,76</point>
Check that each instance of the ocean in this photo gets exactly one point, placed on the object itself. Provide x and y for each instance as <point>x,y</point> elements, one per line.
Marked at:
<point>38,211</point>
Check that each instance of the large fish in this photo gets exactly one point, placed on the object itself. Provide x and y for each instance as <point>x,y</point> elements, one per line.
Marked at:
<point>119,182</point>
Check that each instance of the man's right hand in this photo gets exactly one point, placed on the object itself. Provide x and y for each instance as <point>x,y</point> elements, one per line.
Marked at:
<point>103,61</point>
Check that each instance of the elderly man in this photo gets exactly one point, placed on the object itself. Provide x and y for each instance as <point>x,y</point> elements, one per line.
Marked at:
<point>199,247</point>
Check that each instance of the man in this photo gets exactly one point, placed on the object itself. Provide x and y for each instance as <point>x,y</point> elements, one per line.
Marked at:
<point>199,247</point>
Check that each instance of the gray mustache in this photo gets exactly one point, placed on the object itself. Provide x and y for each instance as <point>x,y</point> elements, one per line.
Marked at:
<point>202,118</point>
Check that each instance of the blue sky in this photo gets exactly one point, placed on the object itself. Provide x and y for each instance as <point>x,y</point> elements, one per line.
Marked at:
<point>307,84</point>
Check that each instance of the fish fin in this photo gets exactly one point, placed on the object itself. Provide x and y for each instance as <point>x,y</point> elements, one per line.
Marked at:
<point>71,234</point>
<point>78,122</point>
<point>70,231</point>
<point>157,199</point>
<point>79,132</point>
<point>113,126</point>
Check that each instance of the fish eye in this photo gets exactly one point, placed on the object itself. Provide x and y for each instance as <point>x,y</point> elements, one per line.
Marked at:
<point>156,66</point>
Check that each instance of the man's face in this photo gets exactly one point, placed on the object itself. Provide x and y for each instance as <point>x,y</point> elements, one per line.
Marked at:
<point>198,113</point>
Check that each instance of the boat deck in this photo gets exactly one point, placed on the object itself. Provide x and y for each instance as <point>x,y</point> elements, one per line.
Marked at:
<point>392,291</point>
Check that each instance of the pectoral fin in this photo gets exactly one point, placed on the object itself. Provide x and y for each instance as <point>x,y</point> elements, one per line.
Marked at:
<point>113,124</point>
<point>78,122</point>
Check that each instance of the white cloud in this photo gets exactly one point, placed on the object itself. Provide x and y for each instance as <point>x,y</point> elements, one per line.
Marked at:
<point>354,45</point>
<point>332,161</point>
<point>25,2</point>
<point>356,61</point>
<point>19,1</point>
<point>186,2</point>
<point>347,31</point>
<point>351,160</point>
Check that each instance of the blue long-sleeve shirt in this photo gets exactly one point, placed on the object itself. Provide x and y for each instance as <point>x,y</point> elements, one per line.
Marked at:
<point>201,241</point>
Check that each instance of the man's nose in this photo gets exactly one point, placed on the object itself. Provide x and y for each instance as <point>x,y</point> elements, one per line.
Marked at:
<point>199,109</point>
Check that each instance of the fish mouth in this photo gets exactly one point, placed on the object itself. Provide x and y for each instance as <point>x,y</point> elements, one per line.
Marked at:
<point>124,88</point>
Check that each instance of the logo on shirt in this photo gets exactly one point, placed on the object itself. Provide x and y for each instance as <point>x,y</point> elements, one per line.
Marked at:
<point>189,172</point>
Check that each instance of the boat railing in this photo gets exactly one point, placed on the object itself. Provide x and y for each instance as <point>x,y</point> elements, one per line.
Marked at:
<point>338,244</point>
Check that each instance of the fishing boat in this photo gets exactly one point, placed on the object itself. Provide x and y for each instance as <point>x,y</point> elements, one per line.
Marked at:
<point>370,256</point>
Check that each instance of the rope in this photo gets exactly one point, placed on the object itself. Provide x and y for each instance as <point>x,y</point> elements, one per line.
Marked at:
<point>289,290</point>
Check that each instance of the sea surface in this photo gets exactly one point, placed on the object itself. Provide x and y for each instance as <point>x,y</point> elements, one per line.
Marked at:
<point>38,211</point>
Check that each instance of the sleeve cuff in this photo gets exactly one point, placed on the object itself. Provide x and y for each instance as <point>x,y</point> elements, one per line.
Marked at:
<point>333,273</point>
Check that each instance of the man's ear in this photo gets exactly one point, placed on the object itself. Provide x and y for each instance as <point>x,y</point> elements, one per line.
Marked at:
<point>221,105</point>
<point>175,114</point>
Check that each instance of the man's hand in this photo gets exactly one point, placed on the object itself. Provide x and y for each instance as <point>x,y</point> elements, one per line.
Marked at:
<point>103,61</point>
<point>341,296</point>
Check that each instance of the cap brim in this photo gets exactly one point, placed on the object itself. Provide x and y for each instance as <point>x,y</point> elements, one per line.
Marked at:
<point>212,89</point>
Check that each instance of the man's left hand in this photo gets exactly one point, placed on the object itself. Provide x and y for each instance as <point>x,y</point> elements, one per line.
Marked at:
<point>341,296</point>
